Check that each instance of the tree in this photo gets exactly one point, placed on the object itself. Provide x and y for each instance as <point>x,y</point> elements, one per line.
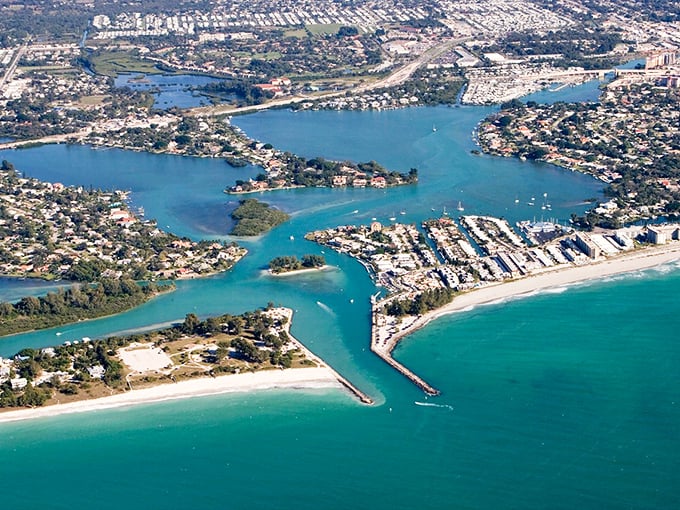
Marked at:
<point>33,397</point>
<point>28,305</point>
<point>190,324</point>
<point>212,325</point>
<point>6,309</point>
<point>247,350</point>
<point>235,325</point>
<point>313,261</point>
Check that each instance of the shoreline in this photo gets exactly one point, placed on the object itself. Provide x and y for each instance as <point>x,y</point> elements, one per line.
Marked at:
<point>292,378</point>
<point>641,259</point>
<point>87,319</point>
<point>325,267</point>
<point>320,376</point>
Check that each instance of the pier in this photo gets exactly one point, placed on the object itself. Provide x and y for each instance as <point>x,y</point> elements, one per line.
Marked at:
<point>385,352</point>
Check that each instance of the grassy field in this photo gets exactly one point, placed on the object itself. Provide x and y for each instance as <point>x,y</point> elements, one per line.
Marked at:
<point>112,63</point>
<point>270,55</point>
<point>300,33</point>
<point>323,29</point>
<point>92,100</point>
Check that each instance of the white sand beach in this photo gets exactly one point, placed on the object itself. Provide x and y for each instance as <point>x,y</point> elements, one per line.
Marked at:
<point>628,262</point>
<point>293,378</point>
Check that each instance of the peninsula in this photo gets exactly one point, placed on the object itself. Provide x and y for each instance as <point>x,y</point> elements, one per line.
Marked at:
<point>52,231</point>
<point>482,260</point>
<point>94,239</point>
<point>188,359</point>
<point>628,140</point>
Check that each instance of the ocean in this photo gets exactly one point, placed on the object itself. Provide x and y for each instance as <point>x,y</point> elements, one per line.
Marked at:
<point>564,399</point>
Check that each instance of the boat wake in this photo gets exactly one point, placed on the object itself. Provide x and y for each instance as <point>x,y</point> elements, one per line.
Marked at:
<point>325,307</point>
<point>430,404</point>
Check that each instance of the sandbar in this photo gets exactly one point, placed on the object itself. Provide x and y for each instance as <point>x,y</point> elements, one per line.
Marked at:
<point>325,267</point>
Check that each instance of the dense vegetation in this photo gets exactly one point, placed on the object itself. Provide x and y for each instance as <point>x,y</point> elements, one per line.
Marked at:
<point>107,297</point>
<point>299,171</point>
<point>253,339</point>
<point>427,300</point>
<point>292,263</point>
<point>254,218</point>
<point>244,89</point>
<point>574,47</point>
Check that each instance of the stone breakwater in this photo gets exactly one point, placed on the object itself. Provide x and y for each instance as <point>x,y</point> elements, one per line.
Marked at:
<point>384,350</point>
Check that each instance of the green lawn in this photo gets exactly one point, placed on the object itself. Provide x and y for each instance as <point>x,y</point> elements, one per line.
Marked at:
<point>323,29</point>
<point>115,62</point>
<point>300,33</point>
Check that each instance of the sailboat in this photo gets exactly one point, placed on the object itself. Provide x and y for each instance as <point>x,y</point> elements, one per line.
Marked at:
<point>460,206</point>
<point>546,204</point>
<point>434,128</point>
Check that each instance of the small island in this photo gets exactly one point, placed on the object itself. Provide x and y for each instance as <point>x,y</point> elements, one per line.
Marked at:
<point>185,359</point>
<point>254,218</point>
<point>289,264</point>
<point>286,171</point>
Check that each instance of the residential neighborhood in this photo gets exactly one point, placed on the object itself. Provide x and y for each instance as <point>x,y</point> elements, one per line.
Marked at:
<point>52,231</point>
<point>629,140</point>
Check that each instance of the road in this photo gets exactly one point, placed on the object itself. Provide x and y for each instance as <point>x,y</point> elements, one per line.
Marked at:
<point>12,67</point>
<point>396,78</point>
<point>46,139</point>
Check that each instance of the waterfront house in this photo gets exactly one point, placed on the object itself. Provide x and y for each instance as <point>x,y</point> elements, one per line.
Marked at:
<point>339,180</point>
<point>378,182</point>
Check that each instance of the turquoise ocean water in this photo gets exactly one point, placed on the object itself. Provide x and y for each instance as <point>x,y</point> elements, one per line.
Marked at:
<point>567,398</point>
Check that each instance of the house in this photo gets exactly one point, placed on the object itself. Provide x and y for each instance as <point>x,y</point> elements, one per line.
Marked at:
<point>339,180</point>
<point>19,383</point>
<point>379,182</point>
